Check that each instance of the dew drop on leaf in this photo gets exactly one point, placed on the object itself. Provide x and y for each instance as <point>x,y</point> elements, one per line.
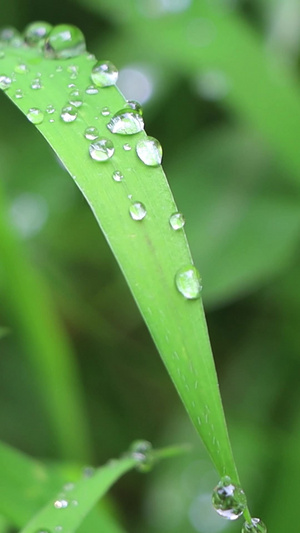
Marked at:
<point>64,41</point>
<point>68,113</point>
<point>50,109</point>
<point>35,115</point>
<point>18,94</point>
<point>133,104</point>
<point>9,34</point>
<point>228,499</point>
<point>36,33</point>
<point>137,211</point>
<point>126,122</point>
<point>36,84</point>
<point>91,133</point>
<point>126,147</point>
<point>73,70</point>
<point>117,175</point>
<point>101,150</point>
<point>61,504</point>
<point>256,526</point>
<point>142,452</point>
<point>149,151</point>
<point>177,221</point>
<point>104,74</point>
<point>5,82</point>
<point>105,112</point>
<point>91,89</point>
<point>21,68</point>
<point>75,98</point>
<point>188,282</point>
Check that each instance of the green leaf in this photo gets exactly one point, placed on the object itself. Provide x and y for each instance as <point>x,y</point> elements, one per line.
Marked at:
<point>149,252</point>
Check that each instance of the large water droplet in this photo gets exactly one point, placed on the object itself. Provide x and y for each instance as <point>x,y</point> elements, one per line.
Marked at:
<point>35,115</point>
<point>188,282</point>
<point>68,113</point>
<point>177,221</point>
<point>91,133</point>
<point>228,499</point>
<point>36,33</point>
<point>61,504</point>
<point>64,41</point>
<point>75,98</point>
<point>142,452</point>
<point>133,104</point>
<point>149,151</point>
<point>126,122</point>
<point>137,211</point>
<point>256,526</point>
<point>104,74</point>
<point>101,150</point>
<point>5,82</point>
<point>117,175</point>
<point>9,35</point>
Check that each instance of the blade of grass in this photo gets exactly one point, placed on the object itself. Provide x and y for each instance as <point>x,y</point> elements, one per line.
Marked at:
<point>48,349</point>
<point>149,252</point>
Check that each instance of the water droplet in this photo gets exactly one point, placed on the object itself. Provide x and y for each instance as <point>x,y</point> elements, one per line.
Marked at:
<point>91,133</point>
<point>5,82</point>
<point>73,71</point>
<point>126,122</point>
<point>59,68</point>
<point>177,221</point>
<point>188,282</point>
<point>68,113</point>
<point>117,175</point>
<point>43,531</point>
<point>91,89</point>
<point>74,503</point>
<point>256,526</point>
<point>21,68</point>
<point>35,115</point>
<point>126,147</point>
<point>228,499</point>
<point>58,528</point>
<point>50,109</point>
<point>36,84</point>
<point>69,486</point>
<point>61,504</point>
<point>142,452</point>
<point>104,74</point>
<point>105,112</point>
<point>88,471</point>
<point>133,104</point>
<point>64,41</point>
<point>137,211</point>
<point>75,98</point>
<point>90,57</point>
<point>101,150</point>
<point>149,151</point>
<point>9,34</point>
<point>18,94</point>
<point>36,33</point>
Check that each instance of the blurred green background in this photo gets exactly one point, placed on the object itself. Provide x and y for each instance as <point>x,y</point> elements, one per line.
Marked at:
<point>219,84</point>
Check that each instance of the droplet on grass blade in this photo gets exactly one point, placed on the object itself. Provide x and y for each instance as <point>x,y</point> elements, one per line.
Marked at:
<point>149,151</point>
<point>35,115</point>
<point>75,98</point>
<point>228,499</point>
<point>36,33</point>
<point>64,41</point>
<point>61,504</point>
<point>91,89</point>
<point>104,74</point>
<point>117,175</point>
<point>142,452</point>
<point>91,133</point>
<point>9,34</point>
<point>137,211</point>
<point>256,526</point>
<point>101,150</point>
<point>177,221</point>
<point>126,122</point>
<point>188,282</point>
<point>68,113</point>
<point>5,82</point>
<point>133,104</point>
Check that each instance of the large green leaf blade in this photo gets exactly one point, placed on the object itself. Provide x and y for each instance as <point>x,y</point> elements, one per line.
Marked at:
<point>149,252</point>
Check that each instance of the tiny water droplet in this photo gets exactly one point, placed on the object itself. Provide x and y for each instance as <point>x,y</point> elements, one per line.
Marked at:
<point>188,282</point>
<point>75,98</point>
<point>59,68</point>
<point>126,122</point>
<point>133,104</point>
<point>88,471</point>
<point>137,211</point>
<point>58,528</point>
<point>68,113</point>
<point>104,74</point>
<point>105,112</point>
<point>64,41</point>
<point>228,499</point>
<point>43,531</point>
<point>5,82</point>
<point>126,147</point>
<point>21,68</point>
<point>149,151</point>
<point>36,84</point>
<point>142,452</point>
<point>2,54</point>
<point>61,504</point>
<point>177,221</point>
<point>91,133</point>
<point>71,86</point>
<point>101,150</point>
<point>117,175</point>
<point>36,33</point>
<point>18,94</point>
<point>69,486</point>
<point>50,109</point>
<point>74,503</point>
<point>73,70</point>
<point>91,89</point>
<point>90,57</point>
<point>256,526</point>
<point>35,115</point>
